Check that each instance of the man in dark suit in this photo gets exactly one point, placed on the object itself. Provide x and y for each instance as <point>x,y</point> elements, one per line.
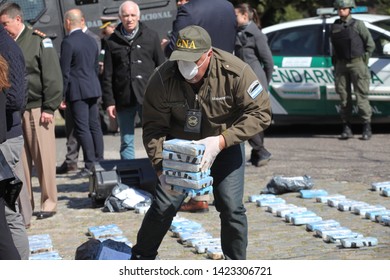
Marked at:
<point>79,64</point>
<point>72,145</point>
<point>90,33</point>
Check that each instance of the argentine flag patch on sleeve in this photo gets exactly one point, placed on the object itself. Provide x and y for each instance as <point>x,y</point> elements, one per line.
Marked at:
<point>254,89</point>
<point>47,43</point>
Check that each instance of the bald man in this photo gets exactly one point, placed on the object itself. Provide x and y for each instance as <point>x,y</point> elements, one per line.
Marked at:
<point>79,65</point>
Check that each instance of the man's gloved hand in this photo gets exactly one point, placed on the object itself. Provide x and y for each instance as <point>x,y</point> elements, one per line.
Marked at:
<point>212,150</point>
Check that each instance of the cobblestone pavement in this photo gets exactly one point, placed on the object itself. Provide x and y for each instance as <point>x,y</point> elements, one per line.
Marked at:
<point>339,167</point>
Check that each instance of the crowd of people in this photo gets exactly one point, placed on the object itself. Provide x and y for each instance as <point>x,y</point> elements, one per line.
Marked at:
<point>221,74</point>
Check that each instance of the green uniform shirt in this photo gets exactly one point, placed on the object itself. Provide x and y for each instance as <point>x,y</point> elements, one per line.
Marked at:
<point>232,101</point>
<point>366,37</point>
<point>45,83</point>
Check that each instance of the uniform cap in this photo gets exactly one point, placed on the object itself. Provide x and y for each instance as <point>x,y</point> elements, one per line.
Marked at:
<point>109,23</point>
<point>108,20</point>
<point>191,43</point>
<point>105,25</point>
<point>344,4</point>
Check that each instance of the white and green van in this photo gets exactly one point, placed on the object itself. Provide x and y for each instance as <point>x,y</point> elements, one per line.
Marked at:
<point>302,88</point>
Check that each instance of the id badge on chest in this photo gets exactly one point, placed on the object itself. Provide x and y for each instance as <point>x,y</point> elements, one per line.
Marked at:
<point>193,121</point>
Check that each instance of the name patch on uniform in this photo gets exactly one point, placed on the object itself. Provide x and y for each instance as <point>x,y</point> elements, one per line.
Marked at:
<point>47,43</point>
<point>254,89</point>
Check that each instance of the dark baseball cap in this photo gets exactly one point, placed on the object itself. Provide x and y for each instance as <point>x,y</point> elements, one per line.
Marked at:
<point>192,41</point>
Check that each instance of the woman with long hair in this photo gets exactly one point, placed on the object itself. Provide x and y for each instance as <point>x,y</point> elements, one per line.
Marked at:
<point>252,47</point>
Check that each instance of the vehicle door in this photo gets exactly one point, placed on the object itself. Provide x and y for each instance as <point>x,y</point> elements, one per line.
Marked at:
<point>379,63</point>
<point>302,72</point>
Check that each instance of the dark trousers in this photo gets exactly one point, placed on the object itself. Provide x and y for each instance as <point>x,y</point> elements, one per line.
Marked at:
<point>257,144</point>
<point>88,130</point>
<point>8,250</point>
<point>72,145</point>
<point>228,174</point>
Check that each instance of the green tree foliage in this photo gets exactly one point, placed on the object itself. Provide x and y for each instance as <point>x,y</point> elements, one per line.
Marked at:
<point>276,11</point>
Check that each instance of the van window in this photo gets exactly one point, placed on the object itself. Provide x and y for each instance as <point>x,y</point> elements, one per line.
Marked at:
<point>384,24</point>
<point>85,2</point>
<point>380,42</point>
<point>297,41</point>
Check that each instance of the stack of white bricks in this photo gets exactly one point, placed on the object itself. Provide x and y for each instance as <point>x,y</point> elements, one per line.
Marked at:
<point>329,230</point>
<point>193,234</point>
<point>41,248</point>
<point>182,167</point>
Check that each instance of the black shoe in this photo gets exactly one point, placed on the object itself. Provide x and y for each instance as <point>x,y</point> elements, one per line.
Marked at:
<point>45,214</point>
<point>84,173</point>
<point>347,132</point>
<point>261,158</point>
<point>262,161</point>
<point>66,168</point>
<point>366,131</point>
<point>135,257</point>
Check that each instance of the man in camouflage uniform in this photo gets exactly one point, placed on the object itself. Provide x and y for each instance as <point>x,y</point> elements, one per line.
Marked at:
<point>353,46</point>
<point>44,97</point>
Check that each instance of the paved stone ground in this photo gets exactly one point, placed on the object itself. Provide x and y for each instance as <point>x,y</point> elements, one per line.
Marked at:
<point>342,167</point>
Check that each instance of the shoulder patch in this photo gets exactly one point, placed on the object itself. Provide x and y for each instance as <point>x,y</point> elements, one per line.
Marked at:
<point>254,89</point>
<point>47,43</point>
<point>232,67</point>
<point>40,33</point>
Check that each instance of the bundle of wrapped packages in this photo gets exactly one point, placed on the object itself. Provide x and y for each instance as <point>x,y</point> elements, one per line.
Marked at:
<point>182,167</point>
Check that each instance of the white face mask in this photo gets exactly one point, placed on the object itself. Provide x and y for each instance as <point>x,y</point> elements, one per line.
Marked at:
<point>189,69</point>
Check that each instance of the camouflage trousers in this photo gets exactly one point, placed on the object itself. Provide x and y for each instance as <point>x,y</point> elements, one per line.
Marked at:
<point>356,73</point>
